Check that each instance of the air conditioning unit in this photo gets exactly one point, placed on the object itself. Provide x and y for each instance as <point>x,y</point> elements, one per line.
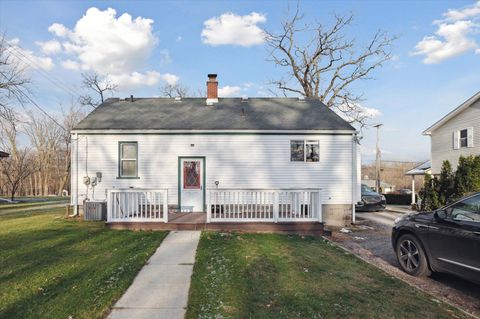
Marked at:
<point>95,210</point>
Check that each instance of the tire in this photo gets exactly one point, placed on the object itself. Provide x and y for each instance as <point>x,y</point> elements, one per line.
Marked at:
<point>411,256</point>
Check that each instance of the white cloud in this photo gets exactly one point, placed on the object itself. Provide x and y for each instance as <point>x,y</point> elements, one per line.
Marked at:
<point>179,38</point>
<point>119,47</point>
<point>355,112</point>
<point>228,91</point>
<point>171,79</point>
<point>135,78</point>
<point>59,30</point>
<point>26,58</point>
<point>233,29</point>
<point>71,65</point>
<point>165,57</point>
<point>49,47</point>
<point>464,13</point>
<point>454,35</point>
<point>451,39</point>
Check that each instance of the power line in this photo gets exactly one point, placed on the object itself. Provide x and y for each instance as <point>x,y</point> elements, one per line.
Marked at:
<point>25,59</point>
<point>37,106</point>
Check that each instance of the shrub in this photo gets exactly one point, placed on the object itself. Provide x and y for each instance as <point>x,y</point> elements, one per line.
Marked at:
<point>449,186</point>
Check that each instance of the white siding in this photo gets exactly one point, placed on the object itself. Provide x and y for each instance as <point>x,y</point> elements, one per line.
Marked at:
<point>443,139</point>
<point>236,161</point>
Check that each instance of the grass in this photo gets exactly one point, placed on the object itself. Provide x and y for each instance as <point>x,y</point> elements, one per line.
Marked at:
<point>52,267</point>
<point>278,276</point>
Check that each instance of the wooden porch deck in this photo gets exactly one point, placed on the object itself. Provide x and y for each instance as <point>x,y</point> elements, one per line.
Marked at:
<point>198,221</point>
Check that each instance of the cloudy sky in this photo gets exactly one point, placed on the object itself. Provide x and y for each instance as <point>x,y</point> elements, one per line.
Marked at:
<point>142,45</point>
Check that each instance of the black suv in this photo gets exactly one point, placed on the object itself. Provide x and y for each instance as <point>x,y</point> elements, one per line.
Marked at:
<point>446,240</point>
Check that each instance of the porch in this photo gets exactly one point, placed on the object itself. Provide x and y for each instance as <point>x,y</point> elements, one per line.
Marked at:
<point>250,210</point>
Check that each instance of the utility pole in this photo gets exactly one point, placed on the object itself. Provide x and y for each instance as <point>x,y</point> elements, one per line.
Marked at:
<point>377,159</point>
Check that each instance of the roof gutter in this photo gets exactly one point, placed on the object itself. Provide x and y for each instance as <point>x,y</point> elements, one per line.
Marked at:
<point>452,114</point>
<point>207,132</point>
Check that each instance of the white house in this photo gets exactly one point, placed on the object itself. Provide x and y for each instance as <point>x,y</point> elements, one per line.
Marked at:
<point>456,134</point>
<point>231,159</point>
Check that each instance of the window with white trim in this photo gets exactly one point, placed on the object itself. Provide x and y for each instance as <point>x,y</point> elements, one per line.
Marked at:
<point>463,138</point>
<point>304,151</point>
<point>128,159</point>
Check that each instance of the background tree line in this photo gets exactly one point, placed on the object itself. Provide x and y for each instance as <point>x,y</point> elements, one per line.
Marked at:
<point>449,185</point>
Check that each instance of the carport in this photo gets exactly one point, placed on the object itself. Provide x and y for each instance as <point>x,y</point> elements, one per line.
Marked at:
<point>421,170</point>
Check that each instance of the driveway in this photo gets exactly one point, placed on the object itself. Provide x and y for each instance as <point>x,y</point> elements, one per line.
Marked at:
<point>370,239</point>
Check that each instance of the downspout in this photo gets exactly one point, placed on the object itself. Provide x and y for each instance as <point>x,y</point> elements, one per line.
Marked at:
<point>75,198</point>
<point>354,175</point>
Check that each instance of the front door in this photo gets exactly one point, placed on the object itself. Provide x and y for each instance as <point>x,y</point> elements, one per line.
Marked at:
<point>191,184</point>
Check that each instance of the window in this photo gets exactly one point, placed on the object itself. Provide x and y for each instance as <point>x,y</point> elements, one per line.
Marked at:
<point>128,159</point>
<point>464,138</point>
<point>304,151</point>
<point>191,175</point>
<point>297,151</point>
<point>466,210</point>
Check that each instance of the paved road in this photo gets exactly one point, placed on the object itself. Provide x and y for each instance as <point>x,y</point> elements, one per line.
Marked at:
<point>371,239</point>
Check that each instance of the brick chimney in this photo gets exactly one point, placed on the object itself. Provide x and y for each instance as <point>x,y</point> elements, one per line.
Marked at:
<point>212,89</point>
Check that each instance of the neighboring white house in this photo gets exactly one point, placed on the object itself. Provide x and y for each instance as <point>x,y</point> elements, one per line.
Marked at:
<point>204,155</point>
<point>456,134</point>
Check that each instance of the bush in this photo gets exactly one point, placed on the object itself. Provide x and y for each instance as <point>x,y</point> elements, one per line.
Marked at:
<point>399,199</point>
<point>437,192</point>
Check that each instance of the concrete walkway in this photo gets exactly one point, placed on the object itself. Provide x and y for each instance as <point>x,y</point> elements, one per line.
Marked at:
<point>160,289</point>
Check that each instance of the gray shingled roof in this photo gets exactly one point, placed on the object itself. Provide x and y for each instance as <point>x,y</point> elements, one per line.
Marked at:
<point>227,114</point>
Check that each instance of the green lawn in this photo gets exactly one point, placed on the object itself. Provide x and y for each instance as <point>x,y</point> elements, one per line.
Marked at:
<point>278,276</point>
<point>52,267</point>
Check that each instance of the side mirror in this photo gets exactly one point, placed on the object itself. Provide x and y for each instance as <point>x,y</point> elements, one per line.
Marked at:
<point>440,214</point>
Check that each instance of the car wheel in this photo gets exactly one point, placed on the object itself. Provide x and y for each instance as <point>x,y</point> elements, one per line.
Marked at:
<point>411,256</point>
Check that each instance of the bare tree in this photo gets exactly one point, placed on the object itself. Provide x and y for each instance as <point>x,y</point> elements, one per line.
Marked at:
<point>16,169</point>
<point>175,90</point>
<point>322,63</point>
<point>45,136</point>
<point>13,78</point>
<point>19,166</point>
<point>97,85</point>
<point>70,118</point>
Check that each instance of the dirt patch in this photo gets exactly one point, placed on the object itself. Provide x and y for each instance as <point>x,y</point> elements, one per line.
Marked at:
<point>371,241</point>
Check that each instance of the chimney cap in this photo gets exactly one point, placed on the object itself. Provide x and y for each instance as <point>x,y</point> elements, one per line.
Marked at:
<point>212,75</point>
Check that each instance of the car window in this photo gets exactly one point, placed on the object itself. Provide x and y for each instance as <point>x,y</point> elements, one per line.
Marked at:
<point>366,189</point>
<point>466,210</point>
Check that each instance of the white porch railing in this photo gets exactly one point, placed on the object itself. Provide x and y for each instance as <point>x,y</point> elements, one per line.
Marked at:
<point>137,205</point>
<point>263,205</point>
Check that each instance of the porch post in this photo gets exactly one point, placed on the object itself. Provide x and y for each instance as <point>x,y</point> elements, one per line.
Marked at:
<point>165,206</point>
<point>109,205</point>
<point>320,217</point>
<point>209,206</point>
<point>276,195</point>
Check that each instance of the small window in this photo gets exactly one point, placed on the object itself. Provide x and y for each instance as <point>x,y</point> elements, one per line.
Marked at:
<point>297,152</point>
<point>312,151</point>
<point>464,138</point>
<point>304,151</point>
<point>128,166</point>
